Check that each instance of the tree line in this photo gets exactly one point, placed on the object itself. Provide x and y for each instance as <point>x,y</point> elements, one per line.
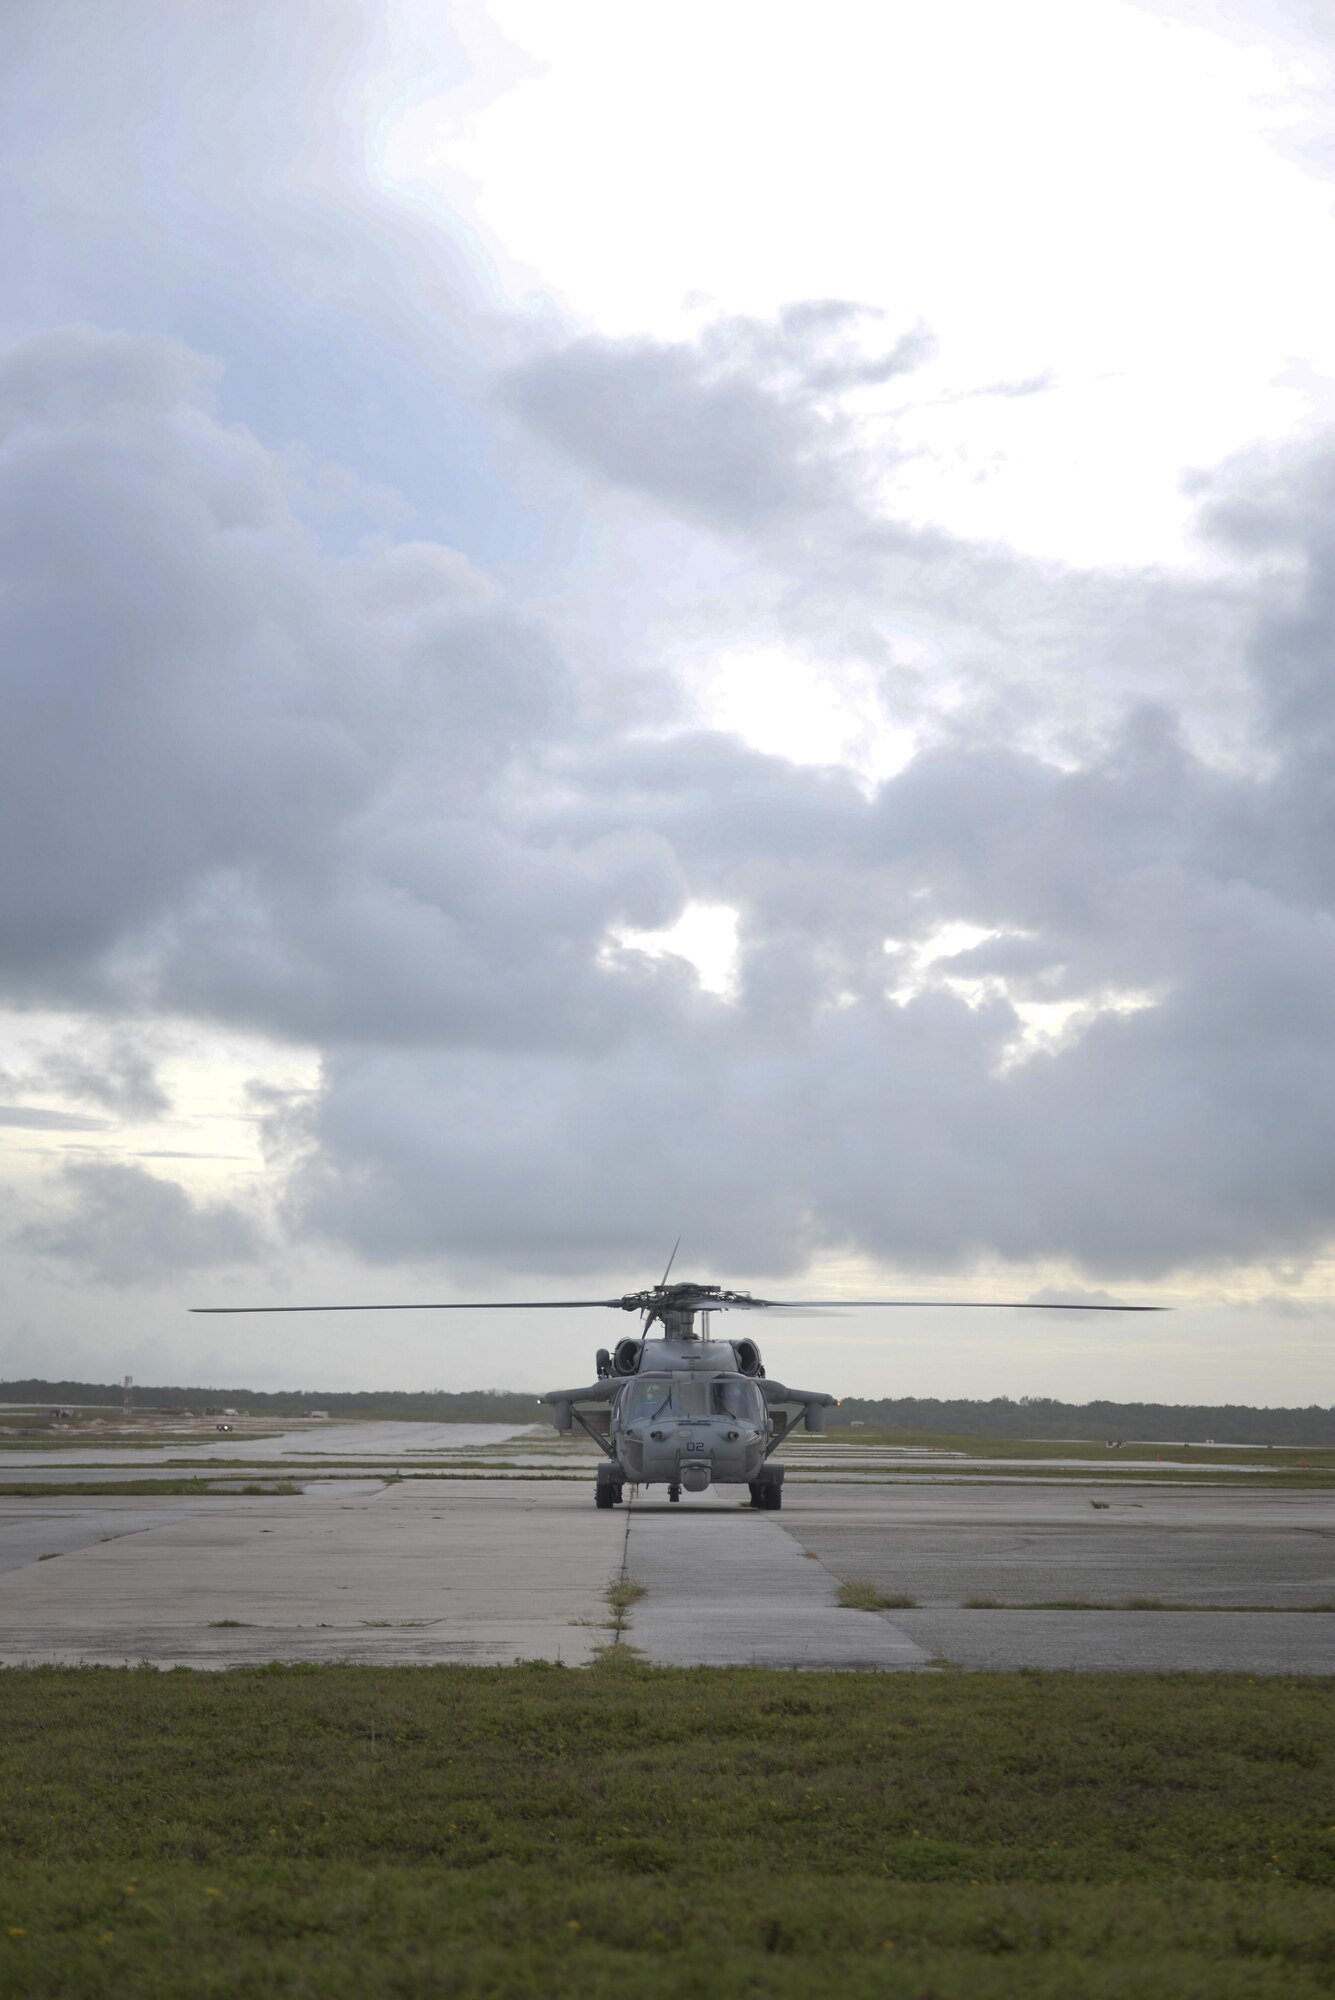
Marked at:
<point>1047,1417</point>
<point>1000,1417</point>
<point>484,1406</point>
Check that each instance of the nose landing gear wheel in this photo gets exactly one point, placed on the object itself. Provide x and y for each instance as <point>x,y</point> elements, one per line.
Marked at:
<point>604,1495</point>
<point>674,1492</point>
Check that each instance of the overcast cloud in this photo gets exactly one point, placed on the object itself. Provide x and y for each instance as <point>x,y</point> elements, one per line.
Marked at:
<point>388,743</point>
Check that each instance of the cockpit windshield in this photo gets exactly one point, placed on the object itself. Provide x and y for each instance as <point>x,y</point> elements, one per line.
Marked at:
<point>647,1399</point>
<point>739,1399</point>
<point>654,1396</point>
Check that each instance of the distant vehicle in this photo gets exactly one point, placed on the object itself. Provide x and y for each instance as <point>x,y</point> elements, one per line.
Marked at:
<point>224,1427</point>
<point>682,1410</point>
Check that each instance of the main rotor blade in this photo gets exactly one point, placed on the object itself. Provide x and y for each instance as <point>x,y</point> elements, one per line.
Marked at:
<point>709,1302</point>
<point>998,1305</point>
<point>425,1305</point>
<point>670,1262</point>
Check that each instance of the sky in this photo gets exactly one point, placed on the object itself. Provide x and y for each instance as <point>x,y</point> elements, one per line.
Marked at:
<point>678,620</point>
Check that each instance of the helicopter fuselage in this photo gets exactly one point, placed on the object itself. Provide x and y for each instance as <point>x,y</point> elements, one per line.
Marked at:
<point>686,1413</point>
<point>690,1426</point>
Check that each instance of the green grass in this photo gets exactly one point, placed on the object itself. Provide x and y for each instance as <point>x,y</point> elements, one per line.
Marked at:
<point>485,1833</point>
<point>86,1442</point>
<point>622,1594</point>
<point>208,1486</point>
<point>858,1594</point>
<point>1131,1604</point>
<point>972,1446</point>
<point>212,1485</point>
<point>954,1472</point>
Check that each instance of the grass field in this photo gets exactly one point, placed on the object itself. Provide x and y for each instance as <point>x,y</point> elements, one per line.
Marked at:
<point>210,1487</point>
<point>953,1472</point>
<point>626,1832</point>
<point>1270,1456</point>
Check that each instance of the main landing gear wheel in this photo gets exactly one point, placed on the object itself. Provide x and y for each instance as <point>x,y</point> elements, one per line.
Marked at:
<point>674,1492</point>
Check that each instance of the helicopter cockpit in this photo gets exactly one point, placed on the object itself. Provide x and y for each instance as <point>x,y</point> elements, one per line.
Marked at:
<point>650,1397</point>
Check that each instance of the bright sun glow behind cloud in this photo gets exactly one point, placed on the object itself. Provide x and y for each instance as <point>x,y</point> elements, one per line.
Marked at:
<point>802,709</point>
<point>1045,1026</point>
<point>1086,197</point>
<point>705,935</point>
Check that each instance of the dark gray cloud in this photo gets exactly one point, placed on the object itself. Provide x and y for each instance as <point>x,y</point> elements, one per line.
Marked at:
<point>739,429</point>
<point>241,775</point>
<point>1191,1133</point>
<point>40,1118</point>
<point>102,1067</point>
<point>75,375</point>
<point>166,665</point>
<point>124,1080</point>
<point>119,1225</point>
<point>712,442</point>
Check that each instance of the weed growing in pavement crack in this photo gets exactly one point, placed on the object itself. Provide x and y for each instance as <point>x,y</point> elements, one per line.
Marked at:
<point>858,1594</point>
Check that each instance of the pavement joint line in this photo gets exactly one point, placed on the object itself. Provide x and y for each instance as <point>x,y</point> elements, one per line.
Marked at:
<point>810,1556</point>
<point>623,1609</point>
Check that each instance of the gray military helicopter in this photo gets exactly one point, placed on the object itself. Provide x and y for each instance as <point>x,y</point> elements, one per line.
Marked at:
<point>684,1410</point>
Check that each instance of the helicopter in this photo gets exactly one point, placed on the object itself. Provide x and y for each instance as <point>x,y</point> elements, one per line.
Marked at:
<point>684,1410</point>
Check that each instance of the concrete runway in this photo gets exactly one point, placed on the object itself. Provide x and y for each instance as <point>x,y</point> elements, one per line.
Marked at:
<point>349,1570</point>
<point>492,1571</point>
